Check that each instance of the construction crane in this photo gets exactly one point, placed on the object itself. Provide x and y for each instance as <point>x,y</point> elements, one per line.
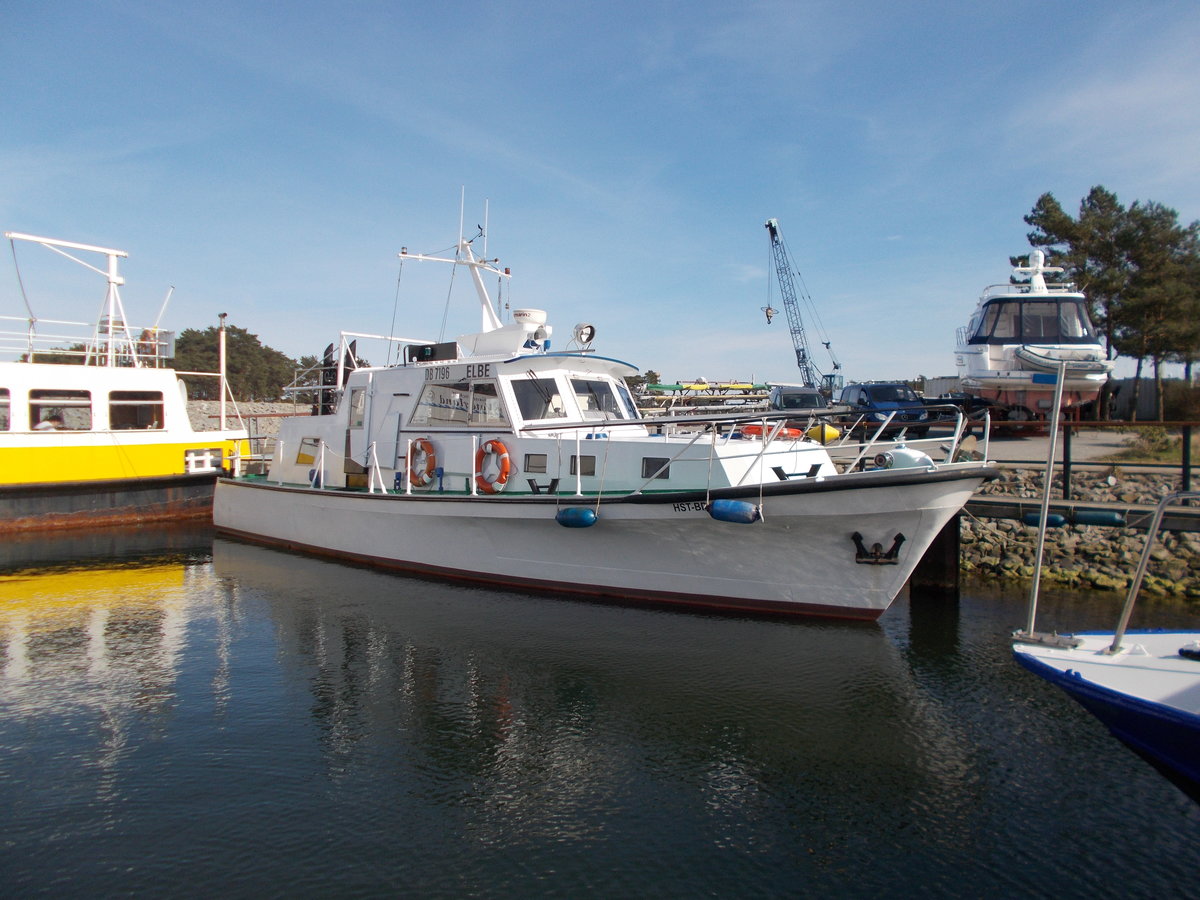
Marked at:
<point>787,291</point>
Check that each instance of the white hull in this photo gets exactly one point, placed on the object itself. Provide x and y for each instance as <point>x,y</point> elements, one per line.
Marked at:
<point>1147,694</point>
<point>799,559</point>
<point>1021,335</point>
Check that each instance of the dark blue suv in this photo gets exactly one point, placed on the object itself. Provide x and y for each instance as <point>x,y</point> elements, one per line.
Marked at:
<point>875,401</point>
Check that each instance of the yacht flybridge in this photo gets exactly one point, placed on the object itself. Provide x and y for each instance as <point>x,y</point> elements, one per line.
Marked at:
<point>1022,332</point>
<point>496,458</point>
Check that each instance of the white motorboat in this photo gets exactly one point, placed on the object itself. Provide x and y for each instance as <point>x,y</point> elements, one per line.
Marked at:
<point>1022,332</point>
<point>1144,686</point>
<point>494,458</point>
<point>94,427</point>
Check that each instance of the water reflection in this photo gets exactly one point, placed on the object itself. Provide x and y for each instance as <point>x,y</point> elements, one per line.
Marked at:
<point>277,724</point>
<point>539,716</point>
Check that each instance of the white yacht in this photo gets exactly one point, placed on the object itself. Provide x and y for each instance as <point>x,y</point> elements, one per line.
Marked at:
<point>494,458</point>
<point>1019,337</point>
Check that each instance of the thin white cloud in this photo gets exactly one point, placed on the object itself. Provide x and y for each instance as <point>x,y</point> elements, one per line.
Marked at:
<point>1128,105</point>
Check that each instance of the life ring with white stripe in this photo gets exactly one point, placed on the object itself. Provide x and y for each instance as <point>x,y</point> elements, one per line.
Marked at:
<point>497,451</point>
<point>757,431</point>
<point>422,462</point>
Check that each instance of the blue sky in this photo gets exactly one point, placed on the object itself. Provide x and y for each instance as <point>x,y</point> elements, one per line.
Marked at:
<point>269,160</point>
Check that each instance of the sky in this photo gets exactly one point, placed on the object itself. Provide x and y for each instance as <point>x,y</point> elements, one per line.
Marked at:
<point>269,160</point>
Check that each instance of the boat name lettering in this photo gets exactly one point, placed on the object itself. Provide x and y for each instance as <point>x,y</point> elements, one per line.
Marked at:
<point>447,373</point>
<point>692,506</point>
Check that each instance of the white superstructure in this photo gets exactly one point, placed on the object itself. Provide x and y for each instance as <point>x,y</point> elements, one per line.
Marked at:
<point>1021,333</point>
<point>496,458</point>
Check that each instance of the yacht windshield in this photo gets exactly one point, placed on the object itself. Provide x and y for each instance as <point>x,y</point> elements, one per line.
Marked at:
<point>1035,322</point>
<point>538,398</point>
<point>596,399</point>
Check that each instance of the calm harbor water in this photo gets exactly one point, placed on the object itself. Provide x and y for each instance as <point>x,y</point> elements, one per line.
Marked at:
<point>187,716</point>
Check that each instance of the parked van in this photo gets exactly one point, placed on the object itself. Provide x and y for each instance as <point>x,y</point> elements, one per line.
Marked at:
<point>877,400</point>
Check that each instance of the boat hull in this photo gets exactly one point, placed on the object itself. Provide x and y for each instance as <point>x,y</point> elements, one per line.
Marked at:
<point>800,558</point>
<point>1149,699</point>
<point>99,503</point>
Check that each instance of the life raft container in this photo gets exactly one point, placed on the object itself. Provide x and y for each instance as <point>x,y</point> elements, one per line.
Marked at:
<point>421,475</point>
<point>503,466</point>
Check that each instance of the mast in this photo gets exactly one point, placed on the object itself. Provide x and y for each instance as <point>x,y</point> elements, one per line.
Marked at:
<point>112,323</point>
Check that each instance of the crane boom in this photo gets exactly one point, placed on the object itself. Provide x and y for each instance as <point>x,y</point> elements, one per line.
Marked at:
<point>787,291</point>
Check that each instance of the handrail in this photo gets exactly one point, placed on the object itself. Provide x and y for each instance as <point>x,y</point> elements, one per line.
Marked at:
<point>1140,573</point>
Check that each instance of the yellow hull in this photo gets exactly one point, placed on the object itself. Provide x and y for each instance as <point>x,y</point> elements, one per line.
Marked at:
<point>56,464</point>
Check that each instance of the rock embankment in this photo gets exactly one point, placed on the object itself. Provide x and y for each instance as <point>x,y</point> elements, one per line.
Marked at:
<point>262,419</point>
<point>1100,558</point>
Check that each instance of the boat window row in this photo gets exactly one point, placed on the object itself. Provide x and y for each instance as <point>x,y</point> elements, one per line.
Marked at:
<point>1035,322</point>
<point>70,410</point>
<point>480,403</point>
<point>534,463</point>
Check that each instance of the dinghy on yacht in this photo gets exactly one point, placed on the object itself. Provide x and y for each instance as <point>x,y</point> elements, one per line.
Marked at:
<point>499,459</point>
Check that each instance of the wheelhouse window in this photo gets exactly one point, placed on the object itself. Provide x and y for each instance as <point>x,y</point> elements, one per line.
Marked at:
<point>52,410</point>
<point>475,403</point>
<point>135,409</point>
<point>4,410</point>
<point>538,398</point>
<point>597,401</point>
<point>583,465</point>
<point>1035,322</point>
<point>358,406</point>
<point>307,453</point>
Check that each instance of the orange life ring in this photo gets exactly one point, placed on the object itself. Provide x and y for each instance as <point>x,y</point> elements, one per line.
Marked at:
<point>421,476</point>
<point>503,463</point>
<point>757,430</point>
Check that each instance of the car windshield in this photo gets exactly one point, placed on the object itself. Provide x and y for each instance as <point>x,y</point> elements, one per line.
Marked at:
<point>893,393</point>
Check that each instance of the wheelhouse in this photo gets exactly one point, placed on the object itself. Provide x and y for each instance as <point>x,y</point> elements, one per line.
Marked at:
<point>1016,320</point>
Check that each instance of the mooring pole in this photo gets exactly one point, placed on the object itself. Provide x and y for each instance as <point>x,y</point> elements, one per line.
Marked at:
<point>937,572</point>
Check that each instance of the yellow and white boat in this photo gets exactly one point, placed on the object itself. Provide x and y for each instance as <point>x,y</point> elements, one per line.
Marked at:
<point>105,438</point>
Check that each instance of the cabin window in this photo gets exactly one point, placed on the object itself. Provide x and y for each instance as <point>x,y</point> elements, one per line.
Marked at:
<point>627,401</point>
<point>651,464</point>
<point>51,410</point>
<point>4,407</point>
<point>135,409</point>
<point>442,404</point>
<point>487,410</point>
<point>306,455</point>
<point>596,399</point>
<point>1035,322</point>
<point>538,398</point>
<point>358,406</point>
<point>535,463</point>
<point>460,403</point>
<point>583,465</point>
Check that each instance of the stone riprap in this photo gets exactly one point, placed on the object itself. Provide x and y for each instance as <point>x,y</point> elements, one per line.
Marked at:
<point>1089,557</point>
<point>261,418</point>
